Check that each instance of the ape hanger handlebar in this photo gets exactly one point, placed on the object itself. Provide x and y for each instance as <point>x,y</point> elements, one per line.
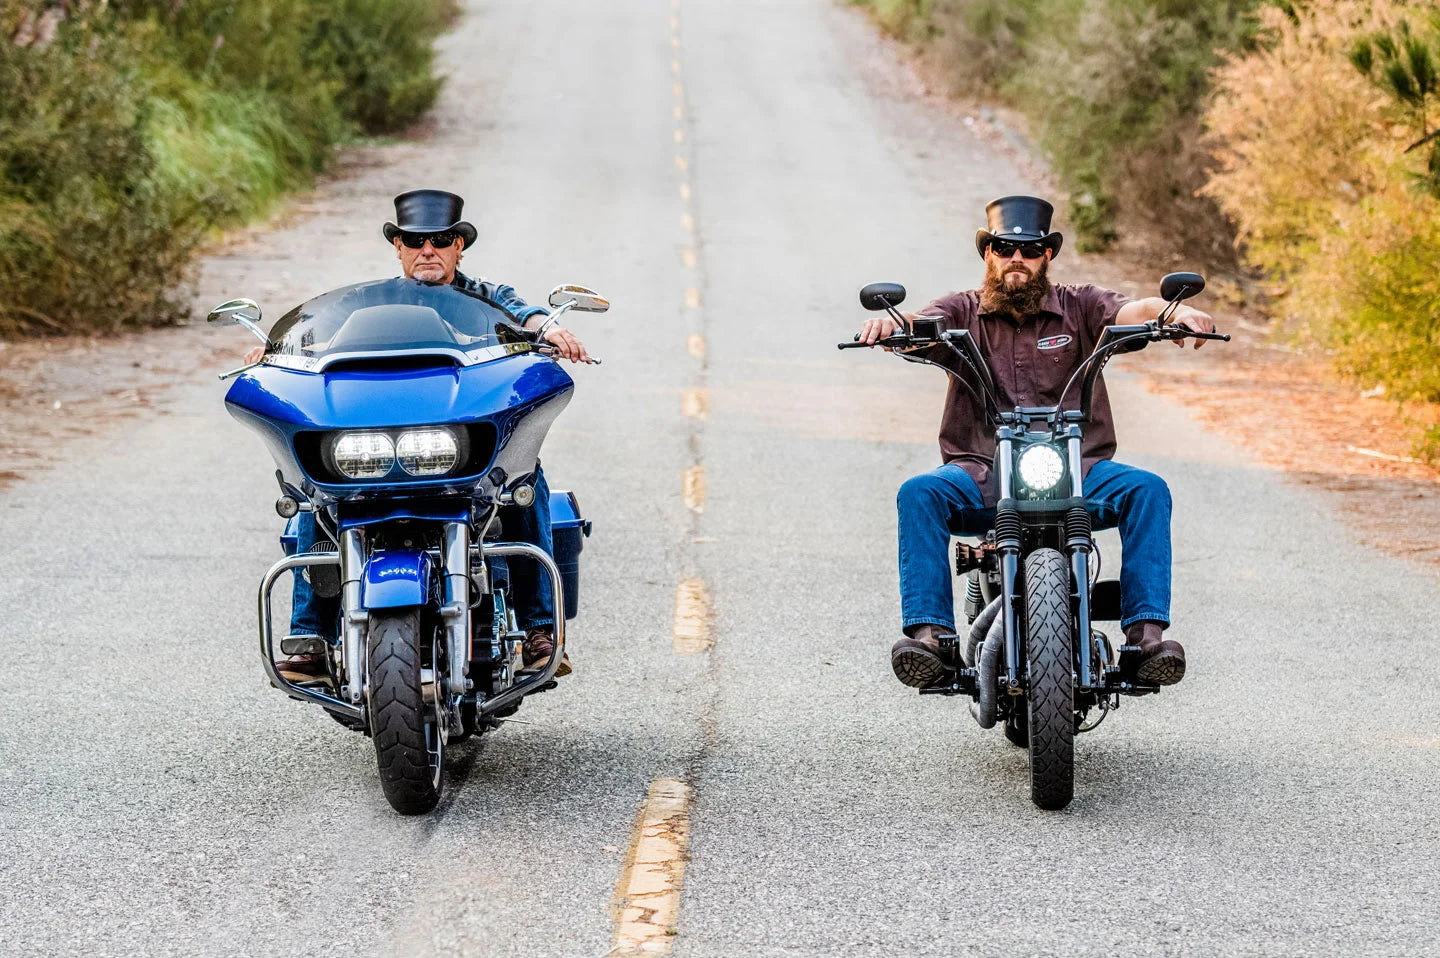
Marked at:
<point>980,382</point>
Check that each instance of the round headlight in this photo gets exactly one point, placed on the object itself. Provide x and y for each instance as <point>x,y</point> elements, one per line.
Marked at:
<point>427,452</point>
<point>364,455</point>
<point>1041,467</point>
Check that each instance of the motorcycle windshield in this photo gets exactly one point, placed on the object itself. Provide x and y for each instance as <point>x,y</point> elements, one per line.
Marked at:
<point>392,318</point>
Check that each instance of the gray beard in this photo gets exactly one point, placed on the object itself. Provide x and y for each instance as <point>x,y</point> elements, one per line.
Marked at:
<point>1025,299</point>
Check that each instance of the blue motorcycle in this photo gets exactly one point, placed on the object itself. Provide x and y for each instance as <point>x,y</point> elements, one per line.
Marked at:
<point>403,415</point>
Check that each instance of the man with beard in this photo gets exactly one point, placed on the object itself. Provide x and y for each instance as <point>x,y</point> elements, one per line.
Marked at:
<point>1033,336</point>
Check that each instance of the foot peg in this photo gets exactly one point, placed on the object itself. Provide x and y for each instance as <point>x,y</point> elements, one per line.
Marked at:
<point>302,645</point>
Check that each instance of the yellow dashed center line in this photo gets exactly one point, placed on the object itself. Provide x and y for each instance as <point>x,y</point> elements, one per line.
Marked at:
<point>692,298</point>
<point>688,258</point>
<point>695,404</point>
<point>675,67</point>
<point>687,222</point>
<point>678,89</point>
<point>695,346</point>
<point>648,899</point>
<point>694,484</point>
<point>679,135</point>
<point>679,113</point>
<point>685,192</point>
<point>681,164</point>
<point>693,634</point>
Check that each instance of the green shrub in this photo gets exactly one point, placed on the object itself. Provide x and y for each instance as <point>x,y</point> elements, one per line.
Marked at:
<point>147,123</point>
<point>901,18</point>
<point>1316,174</point>
<point>1111,88</point>
<point>87,238</point>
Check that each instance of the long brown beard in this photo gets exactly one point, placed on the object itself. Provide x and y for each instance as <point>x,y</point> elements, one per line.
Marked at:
<point>1019,301</point>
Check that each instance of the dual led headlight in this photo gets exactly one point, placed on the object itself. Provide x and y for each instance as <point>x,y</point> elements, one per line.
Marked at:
<point>1041,467</point>
<point>434,451</point>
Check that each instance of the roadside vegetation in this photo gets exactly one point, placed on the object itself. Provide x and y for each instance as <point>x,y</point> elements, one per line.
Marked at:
<point>131,130</point>
<point>1294,139</point>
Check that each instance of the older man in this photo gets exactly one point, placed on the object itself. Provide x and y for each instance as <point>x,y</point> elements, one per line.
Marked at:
<point>1033,336</point>
<point>430,236</point>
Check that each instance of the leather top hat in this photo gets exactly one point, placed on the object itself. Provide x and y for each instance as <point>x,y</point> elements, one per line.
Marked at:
<point>429,211</point>
<point>1023,219</point>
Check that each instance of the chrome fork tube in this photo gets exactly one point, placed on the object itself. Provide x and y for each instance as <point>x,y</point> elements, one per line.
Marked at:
<point>1004,463</point>
<point>456,610</point>
<point>1090,673</point>
<point>1077,479</point>
<point>355,618</point>
<point>1009,545</point>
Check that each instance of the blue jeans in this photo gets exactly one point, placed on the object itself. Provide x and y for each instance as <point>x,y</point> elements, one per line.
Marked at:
<point>934,503</point>
<point>312,614</point>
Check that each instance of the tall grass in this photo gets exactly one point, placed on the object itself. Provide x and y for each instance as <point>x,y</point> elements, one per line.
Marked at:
<point>144,124</point>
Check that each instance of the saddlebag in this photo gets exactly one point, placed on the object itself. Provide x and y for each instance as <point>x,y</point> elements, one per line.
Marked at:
<point>568,531</point>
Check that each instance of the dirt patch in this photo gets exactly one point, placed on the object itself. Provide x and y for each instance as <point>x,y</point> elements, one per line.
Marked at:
<point>56,389</point>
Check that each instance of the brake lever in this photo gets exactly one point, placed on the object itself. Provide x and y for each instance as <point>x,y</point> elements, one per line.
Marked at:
<point>1181,332</point>
<point>889,342</point>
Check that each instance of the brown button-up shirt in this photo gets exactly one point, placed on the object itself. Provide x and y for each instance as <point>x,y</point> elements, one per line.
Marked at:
<point>1031,360</point>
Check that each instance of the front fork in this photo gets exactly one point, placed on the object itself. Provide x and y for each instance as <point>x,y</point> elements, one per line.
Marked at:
<point>1078,545</point>
<point>454,610</point>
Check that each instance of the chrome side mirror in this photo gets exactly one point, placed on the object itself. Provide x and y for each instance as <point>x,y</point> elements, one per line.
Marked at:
<point>578,298</point>
<point>239,312</point>
<point>230,313</point>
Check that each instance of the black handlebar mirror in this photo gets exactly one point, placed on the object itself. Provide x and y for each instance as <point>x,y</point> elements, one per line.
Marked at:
<point>881,296</point>
<point>1178,286</point>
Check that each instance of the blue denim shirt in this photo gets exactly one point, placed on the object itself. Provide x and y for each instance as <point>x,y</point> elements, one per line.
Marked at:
<point>504,297</point>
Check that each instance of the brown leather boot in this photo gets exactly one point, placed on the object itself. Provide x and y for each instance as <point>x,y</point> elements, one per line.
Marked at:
<point>307,667</point>
<point>1162,660</point>
<point>539,646</point>
<point>917,659</point>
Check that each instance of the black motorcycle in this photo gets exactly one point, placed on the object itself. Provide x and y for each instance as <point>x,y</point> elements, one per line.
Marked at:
<point>1032,659</point>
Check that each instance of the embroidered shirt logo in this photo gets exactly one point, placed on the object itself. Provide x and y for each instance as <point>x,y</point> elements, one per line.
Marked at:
<point>1053,342</point>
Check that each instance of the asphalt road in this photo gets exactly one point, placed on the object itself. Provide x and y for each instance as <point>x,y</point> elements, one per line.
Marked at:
<point>729,179</point>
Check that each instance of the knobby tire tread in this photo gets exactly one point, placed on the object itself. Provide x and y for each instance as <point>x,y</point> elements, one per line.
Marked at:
<point>397,712</point>
<point>1050,670</point>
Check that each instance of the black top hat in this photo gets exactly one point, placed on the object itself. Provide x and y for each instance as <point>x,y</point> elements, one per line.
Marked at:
<point>1024,219</point>
<point>429,211</point>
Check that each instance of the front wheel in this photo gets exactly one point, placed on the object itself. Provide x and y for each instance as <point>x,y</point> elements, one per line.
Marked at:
<point>408,732</point>
<point>1049,641</point>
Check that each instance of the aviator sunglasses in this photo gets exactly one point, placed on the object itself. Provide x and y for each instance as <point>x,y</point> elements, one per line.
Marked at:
<point>437,240</point>
<point>1006,248</point>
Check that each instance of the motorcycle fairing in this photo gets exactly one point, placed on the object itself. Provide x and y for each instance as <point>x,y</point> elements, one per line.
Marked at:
<point>355,513</point>
<point>519,395</point>
<point>396,579</point>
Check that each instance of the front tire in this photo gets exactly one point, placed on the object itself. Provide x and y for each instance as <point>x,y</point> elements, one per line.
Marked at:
<point>409,734</point>
<point>1050,698</point>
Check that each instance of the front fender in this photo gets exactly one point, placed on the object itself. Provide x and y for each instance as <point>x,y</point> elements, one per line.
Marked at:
<point>394,579</point>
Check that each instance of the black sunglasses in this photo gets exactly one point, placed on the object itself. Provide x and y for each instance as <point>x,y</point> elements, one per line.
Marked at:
<point>1005,249</point>
<point>437,240</point>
